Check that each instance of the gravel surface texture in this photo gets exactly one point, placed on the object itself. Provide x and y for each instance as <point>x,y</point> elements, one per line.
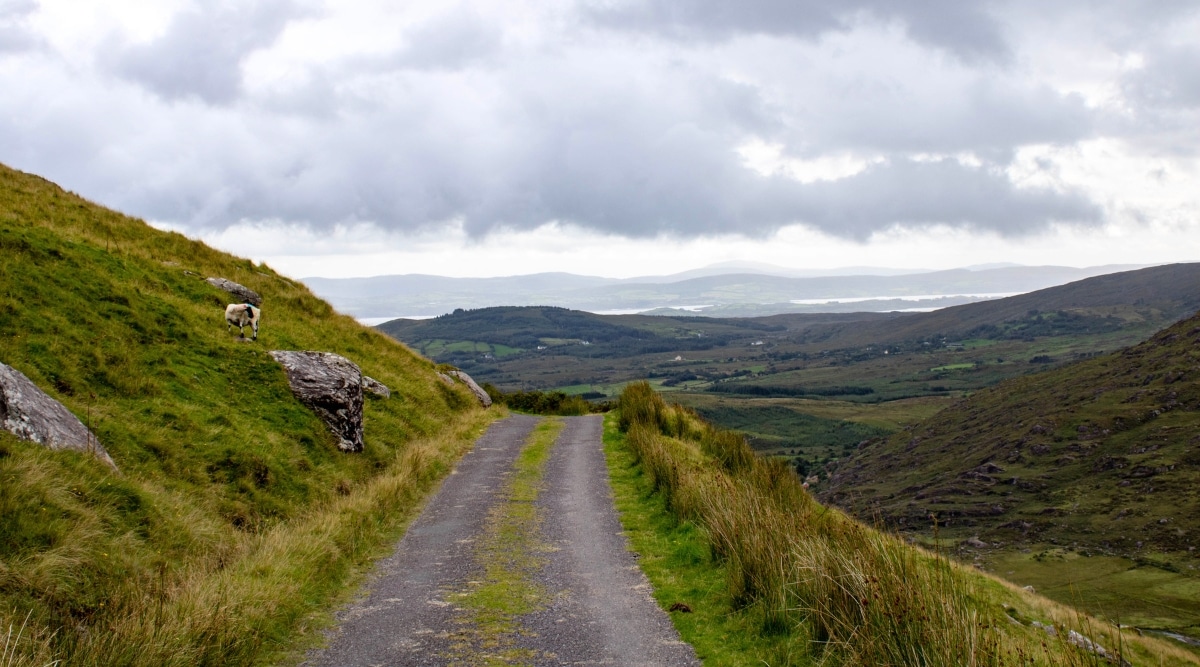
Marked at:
<point>599,610</point>
<point>602,611</point>
<point>404,618</point>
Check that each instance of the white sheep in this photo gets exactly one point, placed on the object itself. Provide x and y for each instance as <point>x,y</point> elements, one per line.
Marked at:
<point>243,314</point>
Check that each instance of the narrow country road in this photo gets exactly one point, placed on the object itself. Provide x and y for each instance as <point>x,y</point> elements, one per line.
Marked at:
<point>584,600</point>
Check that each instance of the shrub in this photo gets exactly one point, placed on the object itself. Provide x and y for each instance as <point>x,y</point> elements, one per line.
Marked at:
<point>545,402</point>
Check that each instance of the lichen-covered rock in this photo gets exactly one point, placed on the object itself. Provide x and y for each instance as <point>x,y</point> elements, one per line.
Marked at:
<point>32,414</point>
<point>376,387</point>
<point>242,292</point>
<point>446,379</point>
<point>484,399</point>
<point>331,386</point>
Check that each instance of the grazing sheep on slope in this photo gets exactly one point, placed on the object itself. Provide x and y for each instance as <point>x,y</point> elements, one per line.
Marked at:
<point>243,314</point>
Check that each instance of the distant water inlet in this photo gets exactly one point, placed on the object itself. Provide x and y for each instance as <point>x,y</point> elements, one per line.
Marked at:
<point>919,303</point>
<point>907,297</point>
<point>635,311</point>
<point>373,321</point>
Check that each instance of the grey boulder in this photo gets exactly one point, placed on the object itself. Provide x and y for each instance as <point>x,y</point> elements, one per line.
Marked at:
<point>243,293</point>
<point>331,386</point>
<point>376,387</point>
<point>32,414</point>
<point>484,399</point>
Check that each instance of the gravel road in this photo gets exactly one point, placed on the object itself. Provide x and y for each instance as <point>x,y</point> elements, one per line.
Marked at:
<point>599,610</point>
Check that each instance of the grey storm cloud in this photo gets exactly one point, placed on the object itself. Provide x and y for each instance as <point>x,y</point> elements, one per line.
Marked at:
<point>633,153</point>
<point>625,118</point>
<point>449,42</point>
<point>929,193</point>
<point>962,28</point>
<point>989,117</point>
<point>637,174</point>
<point>15,35</point>
<point>1170,78</point>
<point>201,53</point>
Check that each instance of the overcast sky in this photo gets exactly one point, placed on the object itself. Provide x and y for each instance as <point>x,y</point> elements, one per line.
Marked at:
<point>620,137</point>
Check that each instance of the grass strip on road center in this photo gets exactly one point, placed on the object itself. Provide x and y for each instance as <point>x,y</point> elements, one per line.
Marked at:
<point>509,553</point>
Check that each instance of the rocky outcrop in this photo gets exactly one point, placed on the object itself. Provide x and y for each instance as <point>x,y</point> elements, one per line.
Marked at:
<point>31,414</point>
<point>331,386</point>
<point>243,293</point>
<point>375,387</point>
<point>484,399</point>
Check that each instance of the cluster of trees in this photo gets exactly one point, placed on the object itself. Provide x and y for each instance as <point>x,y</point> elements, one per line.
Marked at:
<point>546,402</point>
<point>525,328</point>
<point>771,391</point>
<point>676,379</point>
<point>1037,324</point>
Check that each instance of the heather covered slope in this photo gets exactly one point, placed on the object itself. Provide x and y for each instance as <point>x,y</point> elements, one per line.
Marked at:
<point>1083,481</point>
<point>234,515</point>
<point>1105,452</point>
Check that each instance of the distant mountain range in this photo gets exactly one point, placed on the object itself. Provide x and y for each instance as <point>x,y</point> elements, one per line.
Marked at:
<point>545,347</point>
<point>723,290</point>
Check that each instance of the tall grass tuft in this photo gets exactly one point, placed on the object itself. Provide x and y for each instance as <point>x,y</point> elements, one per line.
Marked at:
<point>854,595</point>
<point>24,646</point>
<point>640,404</point>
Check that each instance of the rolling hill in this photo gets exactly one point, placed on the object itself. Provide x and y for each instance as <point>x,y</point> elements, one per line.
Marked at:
<point>1159,294</point>
<point>892,354</point>
<point>1104,453</point>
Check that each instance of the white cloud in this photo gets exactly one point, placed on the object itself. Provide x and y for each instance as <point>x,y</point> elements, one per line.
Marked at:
<point>803,130</point>
<point>1134,186</point>
<point>769,160</point>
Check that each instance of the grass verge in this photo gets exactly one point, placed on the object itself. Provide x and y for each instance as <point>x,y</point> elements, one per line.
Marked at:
<point>676,557</point>
<point>821,588</point>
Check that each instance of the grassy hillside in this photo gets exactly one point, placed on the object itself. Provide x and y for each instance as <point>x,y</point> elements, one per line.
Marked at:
<point>1099,459</point>
<point>804,585</point>
<point>1157,294</point>
<point>234,516</point>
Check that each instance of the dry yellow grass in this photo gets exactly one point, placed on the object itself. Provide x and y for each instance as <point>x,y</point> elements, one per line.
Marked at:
<point>853,595</point>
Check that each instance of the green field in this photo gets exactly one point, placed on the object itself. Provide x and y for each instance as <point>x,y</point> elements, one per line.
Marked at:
<point>437,348</point>
<point>1161,595</point>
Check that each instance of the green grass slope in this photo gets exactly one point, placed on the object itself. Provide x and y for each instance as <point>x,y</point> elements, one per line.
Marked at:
<point>1098,452</point>
<point>220,467</point>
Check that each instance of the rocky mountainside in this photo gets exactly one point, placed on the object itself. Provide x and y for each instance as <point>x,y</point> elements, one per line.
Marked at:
<point>1103,454</point>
